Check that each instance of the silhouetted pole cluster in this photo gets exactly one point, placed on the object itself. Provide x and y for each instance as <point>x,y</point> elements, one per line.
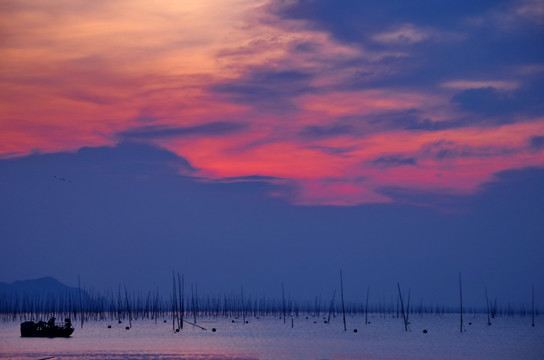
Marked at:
<point>127,306</point>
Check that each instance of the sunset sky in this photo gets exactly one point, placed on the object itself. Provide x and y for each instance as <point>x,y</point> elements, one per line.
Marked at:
<point>426,117</point>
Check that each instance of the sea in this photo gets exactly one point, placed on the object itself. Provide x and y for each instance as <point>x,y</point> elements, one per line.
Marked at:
<point>303,337</point>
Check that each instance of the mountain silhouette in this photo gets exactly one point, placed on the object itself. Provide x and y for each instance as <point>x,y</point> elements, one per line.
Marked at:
<point>43,285</point>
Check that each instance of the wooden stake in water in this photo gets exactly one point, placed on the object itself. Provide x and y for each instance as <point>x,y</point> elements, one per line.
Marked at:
<point>487,302</point>
<point>533,322</point>
<point>283,297</point>
<point>198,326</point>
<point>174,302</point>
<point>243,307</point>
<point>193,302</point>
<point>366,306</point>
<point>182,300</point>
<point>128,308</point>
<point>331,309</point>
<point>80,302</point>
<point>402,308</point>
<point>180,307</point>
<point>460,304</point>
<point>342,295</point>
<point>408,308</point>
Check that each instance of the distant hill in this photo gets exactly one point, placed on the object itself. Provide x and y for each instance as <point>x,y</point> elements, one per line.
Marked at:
<point>44,285</point>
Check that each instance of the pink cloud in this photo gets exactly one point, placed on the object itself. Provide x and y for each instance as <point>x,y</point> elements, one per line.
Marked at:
<point>77,75</point>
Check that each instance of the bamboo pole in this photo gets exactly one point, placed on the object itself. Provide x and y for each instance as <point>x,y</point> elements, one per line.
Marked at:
<point>460,304</point>
<point>402,308</point>
<point>533,306</point>
<point>180,307</point>
<point>283,301</point>
<point>342,296</point>
<point>174,302</point>
<point>366,306</point>
<point>487,303</point>
<point>182,310</point>
<point>128,308</point>
<point>243,307</point>
<point>331,307</point>
<point>198,326</point>
<point>80,302</point>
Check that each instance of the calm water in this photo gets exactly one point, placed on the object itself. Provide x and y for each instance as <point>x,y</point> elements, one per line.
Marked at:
<point>270,338</point>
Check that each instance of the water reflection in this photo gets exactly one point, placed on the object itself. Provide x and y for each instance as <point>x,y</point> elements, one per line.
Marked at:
<point>270,338</point>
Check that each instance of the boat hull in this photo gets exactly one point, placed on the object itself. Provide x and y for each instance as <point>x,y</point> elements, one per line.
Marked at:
<point>31,329</point>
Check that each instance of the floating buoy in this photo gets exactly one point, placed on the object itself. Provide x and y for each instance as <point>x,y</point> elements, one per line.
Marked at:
<point>470,323</point>
<point>164,320</point>
<point>247,322</point>
<point>127,328</point>
<point>324,322</point>
<point>109,326</point>
<point>213,330</point>
<point>233,321</point>
<point>354,330</point>
<point>177,330</point>
<point>425,331</point>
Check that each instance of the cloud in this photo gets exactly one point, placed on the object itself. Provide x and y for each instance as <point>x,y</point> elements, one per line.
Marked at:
<point>404,34</point>
<point>483,100</point>
<point>510,16</point>
<point>536,142</point>
<point>492,102</point>
<point>355,21</point>
<point>532,10</point>
<point>394,160</point>
<point>266,88</point>
<point>481,84</point>
<point>448,150</point>
<point>316,131</point>
<point>430,125</point>
<point>408,34</point>
<point>336,150</point>
<point>130,158</point>
<point>153,132</point>
<point>243,179</point>
<point>316,89</point>
<point>127,160</point>
<point>415,120</point>
<point>444,44</point>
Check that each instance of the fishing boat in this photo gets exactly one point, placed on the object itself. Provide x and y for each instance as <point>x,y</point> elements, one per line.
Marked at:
<point>47,329</point>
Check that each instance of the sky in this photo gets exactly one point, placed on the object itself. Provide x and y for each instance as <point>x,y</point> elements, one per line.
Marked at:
<point>250,143</point>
